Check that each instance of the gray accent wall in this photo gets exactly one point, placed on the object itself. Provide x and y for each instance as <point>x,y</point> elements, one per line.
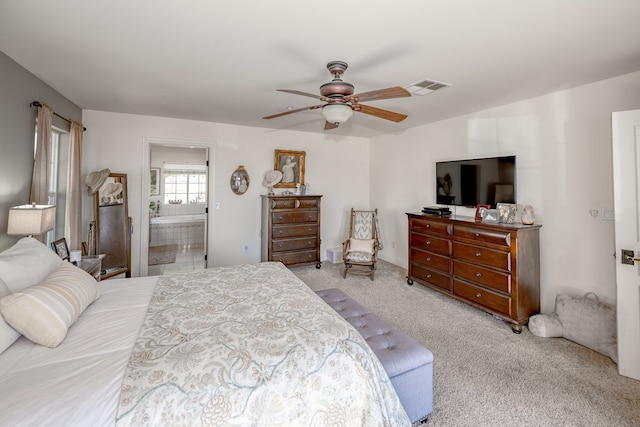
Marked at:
<point>18,88</point>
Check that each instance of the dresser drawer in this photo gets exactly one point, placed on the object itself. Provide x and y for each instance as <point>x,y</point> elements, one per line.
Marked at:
<point>482,296</point>
<point>484,276</point>
<point>497,237</point>
<point>431,244</point>
<point>426,226</point>
<point>308,203</point>
<point>431,260</point>
<point>280,245</point>
<point>288,258</point>
<point>296,216</point>
<point>431,276</point>
<point>295,203</point>
<point>483,256</point>
<point>284,231</point>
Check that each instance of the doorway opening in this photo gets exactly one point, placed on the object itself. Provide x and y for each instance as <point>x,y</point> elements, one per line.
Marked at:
<point>177,208</point>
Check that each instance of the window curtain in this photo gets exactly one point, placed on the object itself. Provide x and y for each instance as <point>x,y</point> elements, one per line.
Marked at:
<point>41,161</point>
<point>73,211</point>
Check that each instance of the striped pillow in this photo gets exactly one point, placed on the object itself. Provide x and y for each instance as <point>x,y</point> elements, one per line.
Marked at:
<point>44,312</point>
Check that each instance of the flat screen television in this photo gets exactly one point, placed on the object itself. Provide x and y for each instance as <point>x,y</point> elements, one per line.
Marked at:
<point>475,182</point>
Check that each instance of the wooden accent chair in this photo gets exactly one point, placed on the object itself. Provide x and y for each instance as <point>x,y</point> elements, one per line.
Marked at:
<point>360,250</point>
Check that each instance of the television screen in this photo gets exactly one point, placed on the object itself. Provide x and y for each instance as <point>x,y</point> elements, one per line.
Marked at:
<point>475,182</point>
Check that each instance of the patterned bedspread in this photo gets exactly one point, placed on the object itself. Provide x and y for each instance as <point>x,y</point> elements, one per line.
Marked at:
<point>251,345</point>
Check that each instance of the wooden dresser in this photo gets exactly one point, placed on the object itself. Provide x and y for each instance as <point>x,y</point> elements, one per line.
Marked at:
<point>291,229</point>
<point>494,267</point>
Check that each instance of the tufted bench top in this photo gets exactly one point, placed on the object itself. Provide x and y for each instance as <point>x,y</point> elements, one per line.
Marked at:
<point>399,353</point>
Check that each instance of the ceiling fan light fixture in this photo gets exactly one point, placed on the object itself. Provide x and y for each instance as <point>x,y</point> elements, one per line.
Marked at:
<point>337,113</point>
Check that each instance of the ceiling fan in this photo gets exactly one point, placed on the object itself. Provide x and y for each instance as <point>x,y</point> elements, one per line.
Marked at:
<point>340,102</point>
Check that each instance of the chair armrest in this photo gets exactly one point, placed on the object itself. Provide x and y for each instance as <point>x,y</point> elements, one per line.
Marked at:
<point>345,247</point>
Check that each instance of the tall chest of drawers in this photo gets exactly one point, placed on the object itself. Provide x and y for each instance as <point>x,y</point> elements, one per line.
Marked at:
<point>291,229</point>
<point>494,267</point>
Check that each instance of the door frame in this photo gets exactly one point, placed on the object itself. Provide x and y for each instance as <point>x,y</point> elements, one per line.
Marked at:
<point>147,144</point>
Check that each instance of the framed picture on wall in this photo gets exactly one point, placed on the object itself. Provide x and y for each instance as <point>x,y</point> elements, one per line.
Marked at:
<point>154,182</point>
<point>291,164</point>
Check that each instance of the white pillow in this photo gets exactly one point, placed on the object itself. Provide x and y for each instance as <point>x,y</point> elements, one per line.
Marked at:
<point>43,313</point>
<point>361,245</point>
<point>27,263</point>
<point>8,335</point>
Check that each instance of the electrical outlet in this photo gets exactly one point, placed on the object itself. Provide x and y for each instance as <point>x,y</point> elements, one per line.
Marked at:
<point>608,214</point>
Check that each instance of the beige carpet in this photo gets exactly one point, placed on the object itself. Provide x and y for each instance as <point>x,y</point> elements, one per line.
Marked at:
<point>165,254</point>
<point>484,374</point>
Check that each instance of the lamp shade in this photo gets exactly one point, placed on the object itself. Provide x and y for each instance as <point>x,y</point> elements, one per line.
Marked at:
<point>32,219</point>
<point>337,113</point>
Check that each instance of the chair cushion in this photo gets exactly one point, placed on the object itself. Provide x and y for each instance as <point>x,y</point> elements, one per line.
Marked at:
<point>361,245</point>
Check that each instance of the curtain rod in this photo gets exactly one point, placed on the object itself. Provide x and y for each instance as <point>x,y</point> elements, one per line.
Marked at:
<point>39,104</point>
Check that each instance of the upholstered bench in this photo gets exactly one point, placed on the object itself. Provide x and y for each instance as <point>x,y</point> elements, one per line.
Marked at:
<point>408,364</point>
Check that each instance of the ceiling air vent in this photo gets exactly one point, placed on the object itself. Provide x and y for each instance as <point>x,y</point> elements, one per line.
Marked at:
<point>425,87</point>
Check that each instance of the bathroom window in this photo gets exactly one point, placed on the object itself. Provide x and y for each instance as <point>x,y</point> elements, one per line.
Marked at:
<point>185,183</point>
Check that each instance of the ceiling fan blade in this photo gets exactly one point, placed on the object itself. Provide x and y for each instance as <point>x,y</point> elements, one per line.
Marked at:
<point>374,95</point>
<point>329,125</point>
<point>297,92</point>
<point>284,113</point>
<point>379,112</point>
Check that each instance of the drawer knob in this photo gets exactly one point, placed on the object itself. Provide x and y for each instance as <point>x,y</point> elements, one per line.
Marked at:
<point>280,245</point>
<point>280,232</point>
<point>478,274</point>
<point>428,226</point>
<point>428,242</point>
<point>478,295</point>
<point>478,254</point>
<point>428,258</point>
<point>280,218</point>
<point>428,276</point>
<point>477,234</point>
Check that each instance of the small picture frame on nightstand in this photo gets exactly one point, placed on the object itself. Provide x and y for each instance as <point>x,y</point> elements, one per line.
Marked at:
<point>60,247</point>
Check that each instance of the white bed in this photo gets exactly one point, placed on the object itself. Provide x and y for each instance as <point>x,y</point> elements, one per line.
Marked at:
<point>245,345</point>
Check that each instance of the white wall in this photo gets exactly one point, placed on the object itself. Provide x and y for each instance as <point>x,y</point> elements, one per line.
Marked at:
<point>562,142</point>
<point>336,167</point>
<point>563,146</point>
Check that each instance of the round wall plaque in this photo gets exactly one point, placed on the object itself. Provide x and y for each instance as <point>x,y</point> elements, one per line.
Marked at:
<point>239,181</point>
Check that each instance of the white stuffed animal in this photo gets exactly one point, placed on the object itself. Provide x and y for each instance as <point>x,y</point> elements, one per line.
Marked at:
<point>582,319</point>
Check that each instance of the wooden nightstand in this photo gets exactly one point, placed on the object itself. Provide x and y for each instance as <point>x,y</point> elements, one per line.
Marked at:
<point>92,265</point>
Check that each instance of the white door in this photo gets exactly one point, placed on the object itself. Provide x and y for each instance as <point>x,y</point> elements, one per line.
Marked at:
<point>626,184</point>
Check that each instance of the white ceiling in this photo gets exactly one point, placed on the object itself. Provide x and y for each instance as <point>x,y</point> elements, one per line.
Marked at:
<point>221,61</point>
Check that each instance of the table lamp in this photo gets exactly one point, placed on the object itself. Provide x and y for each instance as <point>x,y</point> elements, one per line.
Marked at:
<point>31,220</point>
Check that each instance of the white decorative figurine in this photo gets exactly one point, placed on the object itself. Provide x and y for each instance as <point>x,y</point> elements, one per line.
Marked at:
<point>527,217</point>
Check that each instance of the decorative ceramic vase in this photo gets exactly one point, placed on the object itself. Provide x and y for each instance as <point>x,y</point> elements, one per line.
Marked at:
<point>527,216</point>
